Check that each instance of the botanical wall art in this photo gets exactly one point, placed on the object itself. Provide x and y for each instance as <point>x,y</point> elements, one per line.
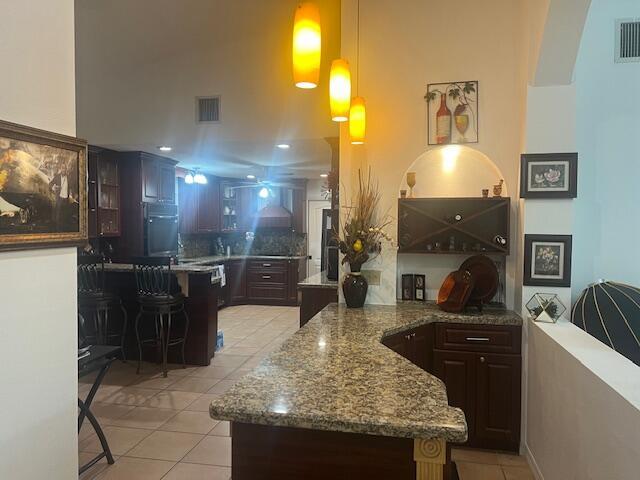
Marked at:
<point>42,188</point>
<point>452,112</point>
<point>547,260</point>
<point>549,175</point>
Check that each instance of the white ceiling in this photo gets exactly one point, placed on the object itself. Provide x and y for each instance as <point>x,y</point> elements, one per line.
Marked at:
<point>141,64</point>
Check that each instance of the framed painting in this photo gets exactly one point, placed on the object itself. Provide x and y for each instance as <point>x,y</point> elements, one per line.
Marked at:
<point>547,260</point>
<point>43,188</point>
<point>452,112</point>
<point>549,175</point>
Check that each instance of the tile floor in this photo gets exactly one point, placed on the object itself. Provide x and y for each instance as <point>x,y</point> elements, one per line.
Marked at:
<point>159,428</point>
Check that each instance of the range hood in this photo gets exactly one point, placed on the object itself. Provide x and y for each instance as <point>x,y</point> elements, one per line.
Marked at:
<point>273,216</point>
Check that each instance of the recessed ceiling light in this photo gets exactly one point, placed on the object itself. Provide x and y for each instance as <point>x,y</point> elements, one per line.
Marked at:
<point>164,148</point>
<point>283,146</point>
<point>324,175</point>
<point>251,177</point>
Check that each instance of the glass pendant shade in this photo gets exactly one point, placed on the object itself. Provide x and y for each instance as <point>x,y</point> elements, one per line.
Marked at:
<point>340,90</point>
<point>307,42</point>
<point>188,178</point>
<point>357,121</point>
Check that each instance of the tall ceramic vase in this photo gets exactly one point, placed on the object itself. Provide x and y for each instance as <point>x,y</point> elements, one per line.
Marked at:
<point>354,287</point>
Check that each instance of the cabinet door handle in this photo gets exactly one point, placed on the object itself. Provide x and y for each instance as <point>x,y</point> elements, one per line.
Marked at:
<point>266,264</point>
<point>266,277</point>
<point>477,339</point>
<point>482,359</point>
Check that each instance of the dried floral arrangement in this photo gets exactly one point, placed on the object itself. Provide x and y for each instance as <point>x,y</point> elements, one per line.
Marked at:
<point>362,232</point>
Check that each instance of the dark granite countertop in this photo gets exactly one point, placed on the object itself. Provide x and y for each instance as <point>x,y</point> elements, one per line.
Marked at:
<point>223,258</point>
<point>190,269</point>
<point>319,280</point>
<point>334,374</point>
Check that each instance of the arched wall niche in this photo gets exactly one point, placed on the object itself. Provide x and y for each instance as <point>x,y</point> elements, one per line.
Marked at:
<point>453,171</point>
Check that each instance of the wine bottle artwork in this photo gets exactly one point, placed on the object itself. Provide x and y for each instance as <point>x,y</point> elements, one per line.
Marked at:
<point>452,112</point>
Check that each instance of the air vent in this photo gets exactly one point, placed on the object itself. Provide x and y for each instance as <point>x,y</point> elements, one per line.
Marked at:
<point>208,109</point>
<point>627,41</point>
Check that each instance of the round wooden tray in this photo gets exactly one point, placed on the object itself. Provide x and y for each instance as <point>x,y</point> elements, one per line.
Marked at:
<point>485,277</point>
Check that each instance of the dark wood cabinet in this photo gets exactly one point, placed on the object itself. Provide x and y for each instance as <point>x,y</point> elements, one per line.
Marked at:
<point>235,272</point>
<point>158,178</point>
<point>199,207</point>
<point>415,345</point>
<point>485,385</point>
<point>103,194</point>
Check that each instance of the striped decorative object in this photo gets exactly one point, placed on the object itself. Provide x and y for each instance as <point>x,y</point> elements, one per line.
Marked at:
<point>610,312</point>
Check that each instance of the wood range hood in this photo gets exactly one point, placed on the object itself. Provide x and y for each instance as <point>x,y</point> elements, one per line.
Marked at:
<point>273,216</point>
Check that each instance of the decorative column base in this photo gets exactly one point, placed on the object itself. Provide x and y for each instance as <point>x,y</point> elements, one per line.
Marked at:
<point>430,457</point>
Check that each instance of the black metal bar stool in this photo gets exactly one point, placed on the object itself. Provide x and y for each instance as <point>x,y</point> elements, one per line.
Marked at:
<point>156,300</point>
<point>96,304</point>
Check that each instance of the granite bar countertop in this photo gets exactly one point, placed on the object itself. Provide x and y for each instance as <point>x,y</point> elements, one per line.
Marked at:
<point>319,280</point>
<point>334,374</point>
<point>188,268</point>
<point>224,258</point>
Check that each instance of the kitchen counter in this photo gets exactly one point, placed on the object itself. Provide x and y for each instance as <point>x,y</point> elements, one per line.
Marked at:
<point>319,280</point>
<point>334,374</point>
<point>223,258</point>
<point>182,268</point>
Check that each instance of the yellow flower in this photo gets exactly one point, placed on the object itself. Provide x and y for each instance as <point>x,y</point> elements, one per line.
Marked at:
<point>357,246</point>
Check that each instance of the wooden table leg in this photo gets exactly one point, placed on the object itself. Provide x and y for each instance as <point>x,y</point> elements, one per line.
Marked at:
<point>430,456</point>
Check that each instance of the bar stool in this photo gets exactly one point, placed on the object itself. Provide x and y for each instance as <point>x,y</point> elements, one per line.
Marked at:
<point>96,304</point>
<point>156,300</point>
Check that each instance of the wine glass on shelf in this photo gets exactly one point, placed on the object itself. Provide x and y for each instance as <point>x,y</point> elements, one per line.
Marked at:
<point>411,182</point>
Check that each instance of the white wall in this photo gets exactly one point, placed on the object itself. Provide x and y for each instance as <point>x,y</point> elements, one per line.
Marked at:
<point>433,42</point>
<point>38,342</point>
<point>584,407</point>
<point>607,223</point>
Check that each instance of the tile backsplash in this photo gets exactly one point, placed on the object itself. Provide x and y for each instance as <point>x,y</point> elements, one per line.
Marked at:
<point>263,243</point>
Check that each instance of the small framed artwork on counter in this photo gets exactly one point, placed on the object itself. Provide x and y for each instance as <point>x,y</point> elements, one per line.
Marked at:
<point>549,175</point>
<point>407,286</point>
<point>419,282</point>
<point>547,260</point>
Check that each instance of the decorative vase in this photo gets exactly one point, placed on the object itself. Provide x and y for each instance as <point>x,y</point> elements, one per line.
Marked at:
<point>354,287</point>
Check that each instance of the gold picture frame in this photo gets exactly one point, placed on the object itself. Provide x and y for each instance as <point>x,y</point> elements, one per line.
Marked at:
<point>43,188</point>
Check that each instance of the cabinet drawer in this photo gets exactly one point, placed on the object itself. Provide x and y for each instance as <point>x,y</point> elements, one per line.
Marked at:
<point>267,292</point>
<point>267,276</point>
<point>267,264</point>
<point>478,338</point>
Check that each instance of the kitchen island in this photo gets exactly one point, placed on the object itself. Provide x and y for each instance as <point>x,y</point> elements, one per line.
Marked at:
<point>316,292</point>
<point>201,290</point>
<point>334,402</point>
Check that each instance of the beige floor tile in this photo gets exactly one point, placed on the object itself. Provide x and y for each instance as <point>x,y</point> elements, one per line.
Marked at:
<point>127,468</point>
<point>86,431</point>
<point>202,403</point>
<point>177,370</point>
<point>165,445</point>
<point>190,422</point>
<point>193,384</point>
<point>107,413</point>
<point>221,429</point>
<point>512,460</point>
<point>222,386</point>
<point>245,351</point>
<point>225,360</point>
<point>213,372</point>
<point>211,451</point>
<point>126,396</point>
<point>478,471</point>
<point>120,440</point>
<point>253,362</point>
<point>474,456</point>
<point>517,473</point>
<point>238,374</point>
<point>145,417</point>
<point>155,381</point>
<point>172,400</point>
<point>193,471</point>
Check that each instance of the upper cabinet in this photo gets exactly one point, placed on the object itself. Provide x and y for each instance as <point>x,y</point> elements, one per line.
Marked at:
<point>103,194</point>
<point>158,179</point>
<point>199,206</point>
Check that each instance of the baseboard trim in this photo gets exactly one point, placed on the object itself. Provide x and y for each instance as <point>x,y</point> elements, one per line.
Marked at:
<point>532,463</point>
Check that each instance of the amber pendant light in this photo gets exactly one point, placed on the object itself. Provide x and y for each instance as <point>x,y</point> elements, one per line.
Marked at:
<point>357,114</point>
<point>307,41</point>
<point>340,90</point>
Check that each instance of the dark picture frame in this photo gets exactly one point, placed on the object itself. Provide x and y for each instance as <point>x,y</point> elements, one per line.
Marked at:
<point>407,286</point>
<point>465,94</point>
<point>420,287</point>
<point>43,188</point>
<point>547,260</point>
<point>549,175</point>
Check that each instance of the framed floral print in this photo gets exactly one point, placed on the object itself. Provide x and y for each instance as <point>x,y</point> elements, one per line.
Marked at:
<point>43,188</point>
<point>549,175</point>
<point>547,260</point>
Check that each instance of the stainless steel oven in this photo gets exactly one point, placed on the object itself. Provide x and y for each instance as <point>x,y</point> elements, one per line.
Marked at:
<point>160,230</point>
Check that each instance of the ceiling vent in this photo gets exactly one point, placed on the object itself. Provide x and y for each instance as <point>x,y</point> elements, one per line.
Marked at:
<point>208,109</point>
<point>627,40</point>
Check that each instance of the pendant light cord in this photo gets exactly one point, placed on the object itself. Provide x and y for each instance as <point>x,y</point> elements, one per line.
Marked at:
<point>358,51</point>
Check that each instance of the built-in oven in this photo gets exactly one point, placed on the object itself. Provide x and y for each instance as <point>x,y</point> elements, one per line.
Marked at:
<point>160,230</point>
